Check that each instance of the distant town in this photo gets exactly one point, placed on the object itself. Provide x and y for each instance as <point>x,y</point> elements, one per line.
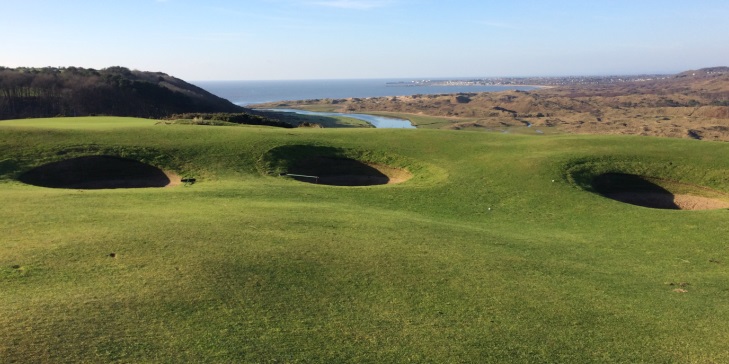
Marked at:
<point>531,81</point>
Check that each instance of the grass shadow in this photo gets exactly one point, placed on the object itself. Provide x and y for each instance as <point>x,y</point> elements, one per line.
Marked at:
<point>326,165</point>
<point>634,190</point>
<point>96,172</point>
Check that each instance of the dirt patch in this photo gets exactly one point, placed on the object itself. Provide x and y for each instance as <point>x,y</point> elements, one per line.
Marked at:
<point>395,175</point>
<point>98,172</point>
<point>335,171</point>
<point>175,180</point>
<point>650,192</point>
<point>690,202</point>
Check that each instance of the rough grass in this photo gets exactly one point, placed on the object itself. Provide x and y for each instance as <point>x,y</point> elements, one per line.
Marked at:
<point>324,121</point>
<point>490,253</point>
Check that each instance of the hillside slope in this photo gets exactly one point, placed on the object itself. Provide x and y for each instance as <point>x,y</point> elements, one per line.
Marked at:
<point>47,92</point>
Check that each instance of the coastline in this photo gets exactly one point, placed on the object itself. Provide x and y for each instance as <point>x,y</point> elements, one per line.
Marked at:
<point>245,93</point>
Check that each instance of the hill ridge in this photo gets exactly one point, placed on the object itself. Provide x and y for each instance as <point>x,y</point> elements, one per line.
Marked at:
<point>27,92</point>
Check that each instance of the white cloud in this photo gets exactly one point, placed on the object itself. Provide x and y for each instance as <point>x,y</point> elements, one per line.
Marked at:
<point>353,4</point>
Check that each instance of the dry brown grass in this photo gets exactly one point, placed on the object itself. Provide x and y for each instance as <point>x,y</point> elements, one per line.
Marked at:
<point>691,105</point>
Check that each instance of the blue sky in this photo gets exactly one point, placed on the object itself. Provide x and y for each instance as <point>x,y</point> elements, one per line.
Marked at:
<point>330,39</point>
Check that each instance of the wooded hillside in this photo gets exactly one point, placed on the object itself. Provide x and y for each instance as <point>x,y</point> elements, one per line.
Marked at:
<point>118,91</point>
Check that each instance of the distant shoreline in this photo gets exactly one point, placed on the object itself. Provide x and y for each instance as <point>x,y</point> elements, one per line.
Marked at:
<point>441,85</point>
<point>257,92</point>
<point>541,82</point>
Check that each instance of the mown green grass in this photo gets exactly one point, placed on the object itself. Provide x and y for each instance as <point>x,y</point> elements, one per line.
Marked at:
<point>81,123</point>
<point>493,252</point>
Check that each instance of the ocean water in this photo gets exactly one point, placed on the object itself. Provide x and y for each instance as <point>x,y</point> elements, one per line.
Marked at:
<point>253,92</point>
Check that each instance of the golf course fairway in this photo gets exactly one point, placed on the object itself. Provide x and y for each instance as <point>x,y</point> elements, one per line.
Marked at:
<point>491,248</point>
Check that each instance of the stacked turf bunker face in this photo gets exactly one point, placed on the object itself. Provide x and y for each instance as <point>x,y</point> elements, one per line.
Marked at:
<point>312,164</point>
<point>325,165</point>
<point>331,166</point>
<point>645,185</point>
<point>97,172</point>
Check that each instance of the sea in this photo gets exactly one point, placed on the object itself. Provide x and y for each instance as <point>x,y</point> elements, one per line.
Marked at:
<point>254,92</point>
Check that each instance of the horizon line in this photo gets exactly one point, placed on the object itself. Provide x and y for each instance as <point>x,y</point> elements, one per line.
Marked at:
<point>434,78</point>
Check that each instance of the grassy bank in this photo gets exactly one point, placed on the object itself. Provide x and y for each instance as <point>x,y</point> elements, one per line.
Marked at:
<point>494,251</point>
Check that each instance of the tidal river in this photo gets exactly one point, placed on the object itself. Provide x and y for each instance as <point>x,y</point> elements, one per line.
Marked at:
<point>376,121</point>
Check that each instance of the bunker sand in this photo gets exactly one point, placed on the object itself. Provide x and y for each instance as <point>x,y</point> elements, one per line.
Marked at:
<point>669,201</point>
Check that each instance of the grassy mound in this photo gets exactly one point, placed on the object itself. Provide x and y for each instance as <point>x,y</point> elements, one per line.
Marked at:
<point>96,172</point>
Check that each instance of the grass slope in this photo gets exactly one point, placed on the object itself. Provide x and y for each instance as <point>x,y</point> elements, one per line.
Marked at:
<point>480,257</point>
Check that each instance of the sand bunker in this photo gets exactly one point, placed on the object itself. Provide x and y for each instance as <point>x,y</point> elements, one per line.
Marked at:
<point>655,193</point>
<point>335,171</point>
<point>331,166</point>
<point>98,172</point>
